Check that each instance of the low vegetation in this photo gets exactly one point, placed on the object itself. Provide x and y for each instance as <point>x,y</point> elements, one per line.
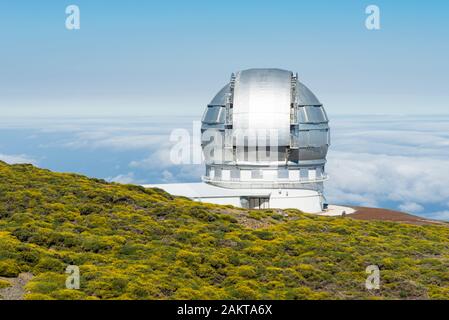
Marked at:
<point>136,243</point>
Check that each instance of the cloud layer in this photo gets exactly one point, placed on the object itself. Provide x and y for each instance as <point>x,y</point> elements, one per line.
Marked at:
<point>17,158</point>
<point>383,161</point>
<point>399,162</point>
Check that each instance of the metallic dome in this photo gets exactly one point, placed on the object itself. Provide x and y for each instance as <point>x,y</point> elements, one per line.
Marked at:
<point>265,129</point>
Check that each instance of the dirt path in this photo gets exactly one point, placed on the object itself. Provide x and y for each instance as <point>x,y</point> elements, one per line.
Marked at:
<point>16,290</point>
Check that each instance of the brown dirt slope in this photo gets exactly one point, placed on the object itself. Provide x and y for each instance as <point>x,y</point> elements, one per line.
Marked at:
<point>364,213</point>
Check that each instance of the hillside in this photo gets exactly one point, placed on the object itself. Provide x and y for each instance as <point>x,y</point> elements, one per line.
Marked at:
<point>136,243</point>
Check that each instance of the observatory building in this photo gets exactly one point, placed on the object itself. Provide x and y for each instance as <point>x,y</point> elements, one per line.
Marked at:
<point>264,138</point>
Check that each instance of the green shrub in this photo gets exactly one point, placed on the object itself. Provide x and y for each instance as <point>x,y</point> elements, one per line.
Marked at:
<point>47,264</point>
<point>4,284</point>
<point>9,268</point>
<point>38,296</point>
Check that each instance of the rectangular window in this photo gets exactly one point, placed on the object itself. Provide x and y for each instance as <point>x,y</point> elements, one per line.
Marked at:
<point>258,203</point>
<point>304,174</point>
<point>294,137</point>
<point>282,174</point>
<point>244,202</point>
<point>256,174</point>
<point>264,203</point>
<point>218,173</point>
<point>311,114</point>
<point>235,174</point>
<point>213,114</point>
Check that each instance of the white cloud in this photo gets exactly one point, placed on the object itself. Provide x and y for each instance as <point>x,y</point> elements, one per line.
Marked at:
<point>167,176</point>
<point>17,158</point>
<point>172,166</point>
<point>381,161</point>
<point>380,178</point>
<point>411,207</point>
<point>158,159</point>
<point>401,136</point>
<point>98,139</point>
<point>120,134</point>
<point>124,178</point>
<point>439,215</point>
<point>183,154</point>
<point>190,173</point>
<point>335,195</point>
<point>182,173</point>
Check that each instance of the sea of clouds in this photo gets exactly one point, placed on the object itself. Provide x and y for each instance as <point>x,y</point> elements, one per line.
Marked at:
<point>391,161</point>
<point>396,162</point>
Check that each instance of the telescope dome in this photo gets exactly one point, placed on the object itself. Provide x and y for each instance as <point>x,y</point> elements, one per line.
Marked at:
<point>265,129</point>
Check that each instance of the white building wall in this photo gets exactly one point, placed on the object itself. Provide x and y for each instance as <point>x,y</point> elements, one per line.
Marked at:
<point>226,174</point>
<point>293,175</point>
<point>312,174</point>
<point>245,175</point>
<point>269,175</point>
<point>305,200</point>
<point>233,201</point>
<point>302,199</point>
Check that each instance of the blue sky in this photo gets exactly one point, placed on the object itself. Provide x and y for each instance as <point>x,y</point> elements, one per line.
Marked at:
<point>170,57</point>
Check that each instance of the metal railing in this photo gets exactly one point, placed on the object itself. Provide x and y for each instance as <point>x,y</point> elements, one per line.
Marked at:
<point>260,184</point>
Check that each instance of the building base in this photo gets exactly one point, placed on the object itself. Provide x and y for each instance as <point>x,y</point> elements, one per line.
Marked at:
<point>309,201</point>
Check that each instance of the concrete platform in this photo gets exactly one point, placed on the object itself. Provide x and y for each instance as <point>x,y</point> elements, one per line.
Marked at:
<point>334,210</point>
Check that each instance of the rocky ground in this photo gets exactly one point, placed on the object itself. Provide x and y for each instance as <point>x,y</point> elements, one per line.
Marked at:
<point>16,290</point>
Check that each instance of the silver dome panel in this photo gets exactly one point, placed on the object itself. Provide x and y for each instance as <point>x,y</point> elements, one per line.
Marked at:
<point>261,104</point>
<point>305,96</point>
<point>220,97</point>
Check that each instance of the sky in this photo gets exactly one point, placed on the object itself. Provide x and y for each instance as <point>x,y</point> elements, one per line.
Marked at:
<point>147,58</point>
<point>103,100</point>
